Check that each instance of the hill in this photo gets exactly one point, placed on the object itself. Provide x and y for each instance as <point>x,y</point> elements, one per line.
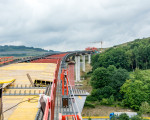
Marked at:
<point>21,51</point>
<point>131,55</point>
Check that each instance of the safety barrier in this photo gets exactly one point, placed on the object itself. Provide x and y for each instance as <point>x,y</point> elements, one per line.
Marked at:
<point>57,56</point>
<point>50,105</point>
<point>4,60</point>
<point>49,59</point>
<point>69,117</point>
<point>45,61</point>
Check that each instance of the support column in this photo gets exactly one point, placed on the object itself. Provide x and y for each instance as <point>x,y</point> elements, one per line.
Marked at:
<point>89,58</point>
<point>71,67</point>
<point>78,68</point>
<point>83,63</point>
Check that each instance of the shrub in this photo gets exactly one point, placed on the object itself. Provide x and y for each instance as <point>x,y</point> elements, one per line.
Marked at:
<point>89,119</point>
<point>144,108</point>
<point>124,116</point>
<point>108,101</point>
<point>87,104</point>
<point>111,100</point>
<point>136,118</point>
<point>104,101</point>
<point>90,98</point>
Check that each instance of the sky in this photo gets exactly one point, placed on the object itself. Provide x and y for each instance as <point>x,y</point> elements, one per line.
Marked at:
<point>65,25</point>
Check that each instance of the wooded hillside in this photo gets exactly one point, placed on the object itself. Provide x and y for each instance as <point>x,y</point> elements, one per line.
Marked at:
<point>129,56</point>
<point>120,76</point>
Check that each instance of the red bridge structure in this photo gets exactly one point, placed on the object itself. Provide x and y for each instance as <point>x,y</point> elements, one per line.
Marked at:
<point>4,60</point>
<point>63,100</point>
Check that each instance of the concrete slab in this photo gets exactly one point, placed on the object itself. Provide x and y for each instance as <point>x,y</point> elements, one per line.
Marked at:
<point>40,71</point>
<point>26,110</point>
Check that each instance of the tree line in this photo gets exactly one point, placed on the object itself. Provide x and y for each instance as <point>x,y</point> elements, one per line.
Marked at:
<point>130,56</point>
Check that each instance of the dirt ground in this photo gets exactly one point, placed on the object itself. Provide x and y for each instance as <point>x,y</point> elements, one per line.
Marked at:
<point>101,110</point>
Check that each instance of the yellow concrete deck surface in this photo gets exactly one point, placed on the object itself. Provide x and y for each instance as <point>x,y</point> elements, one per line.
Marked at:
<point>26,110</point>
<point>40,71</point>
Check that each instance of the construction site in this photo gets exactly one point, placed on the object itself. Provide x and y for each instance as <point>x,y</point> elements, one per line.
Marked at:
<point>42,87</point>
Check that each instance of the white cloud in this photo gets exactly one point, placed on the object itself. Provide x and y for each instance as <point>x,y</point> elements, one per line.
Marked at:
<point>72,24</point>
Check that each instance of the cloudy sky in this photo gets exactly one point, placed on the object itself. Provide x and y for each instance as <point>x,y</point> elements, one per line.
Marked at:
<point>73,24</point>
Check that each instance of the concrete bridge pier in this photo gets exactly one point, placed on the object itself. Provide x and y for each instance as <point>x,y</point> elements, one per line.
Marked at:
<point>83,63</point>
<point>71,76</point>
<point>89,58</point>
<point>77,66</point>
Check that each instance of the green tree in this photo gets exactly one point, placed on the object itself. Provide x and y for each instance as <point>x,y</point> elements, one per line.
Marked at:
<point>104,92</point>
<point>145,108</point>
<point>133,55</point>
<point>100,78</point>
<point>135,90</point>
<point>119,76</point>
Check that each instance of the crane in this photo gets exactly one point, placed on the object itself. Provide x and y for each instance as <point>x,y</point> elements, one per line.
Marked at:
<point>101,43</point>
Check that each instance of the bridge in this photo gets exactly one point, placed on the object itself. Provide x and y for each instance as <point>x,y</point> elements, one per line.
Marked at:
<point>47,81</point>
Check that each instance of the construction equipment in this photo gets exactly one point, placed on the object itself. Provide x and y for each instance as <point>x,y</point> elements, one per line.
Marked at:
<point>101,43</point>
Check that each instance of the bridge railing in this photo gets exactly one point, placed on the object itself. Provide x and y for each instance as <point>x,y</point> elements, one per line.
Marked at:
<point>50,104</point>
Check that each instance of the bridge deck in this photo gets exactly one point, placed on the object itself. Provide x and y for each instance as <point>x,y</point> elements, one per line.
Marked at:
<point>41,71</point>
<point>21,90</point>
<point>24,111</point>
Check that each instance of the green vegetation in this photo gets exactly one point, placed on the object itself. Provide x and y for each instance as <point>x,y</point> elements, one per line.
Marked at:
<point>136,90</point>
<point>124,116</point>
<point>7,48</point>
<point>121,76</point>
<point>21,51</point>
<point>106,83</point>
<point>89,105</point>
<point>133,55</point>
<point>144,108</point>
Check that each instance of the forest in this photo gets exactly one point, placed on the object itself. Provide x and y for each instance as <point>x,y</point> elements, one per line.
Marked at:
<point>121,76</point>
